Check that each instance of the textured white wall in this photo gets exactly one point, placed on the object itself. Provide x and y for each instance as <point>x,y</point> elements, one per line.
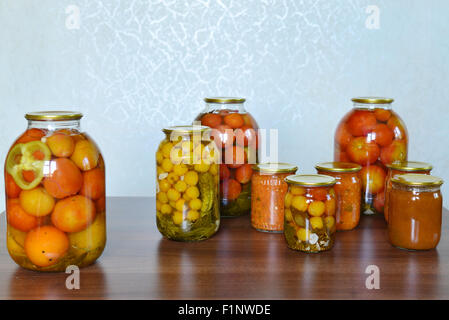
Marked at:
<point>135,66</point>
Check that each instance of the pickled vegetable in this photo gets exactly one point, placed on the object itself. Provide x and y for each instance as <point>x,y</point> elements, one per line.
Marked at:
<point>55,209</point>
<point>187,198</point>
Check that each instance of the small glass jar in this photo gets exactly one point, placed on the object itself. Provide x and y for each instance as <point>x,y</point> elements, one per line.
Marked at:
<point>187,195</point>
<point>310,205</point>
<point>268,190</point>
<point>348,188</point>
<point>55,194</point>
<point>415,211</point>
<point>234,131</point>
<point>402,168</point>
<point>371,135</point>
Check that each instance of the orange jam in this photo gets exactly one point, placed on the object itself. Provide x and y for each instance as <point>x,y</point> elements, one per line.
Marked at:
<point>415,211</point>
<point>348,189</point>
<point>268,190</point>
<point>402,168</point>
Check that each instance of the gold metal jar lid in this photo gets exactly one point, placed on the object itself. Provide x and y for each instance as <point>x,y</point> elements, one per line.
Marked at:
<point>187,129</point>
<point>417,180</point>
<point>53,116</point>
<point>410,166</point>
<point>311,180</point>
<point>342,167</point>
<point>278,167</point>
<point>224,100</point>
<point>373,100</point>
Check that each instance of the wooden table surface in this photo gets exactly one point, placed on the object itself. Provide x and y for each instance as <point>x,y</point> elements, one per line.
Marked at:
<point>237,263</point>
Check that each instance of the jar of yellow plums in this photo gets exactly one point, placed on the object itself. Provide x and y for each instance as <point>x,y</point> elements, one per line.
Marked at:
<point>187,195</point>
<point>55,194</point>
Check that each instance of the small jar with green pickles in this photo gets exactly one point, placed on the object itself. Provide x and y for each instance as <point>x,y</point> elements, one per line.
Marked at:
<point>187,186</point>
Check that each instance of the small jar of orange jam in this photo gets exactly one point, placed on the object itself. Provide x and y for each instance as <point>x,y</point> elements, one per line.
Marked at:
<point>415,211</point>
<point>268,190</point>
<point>402,168</point>
<point>348,191</point>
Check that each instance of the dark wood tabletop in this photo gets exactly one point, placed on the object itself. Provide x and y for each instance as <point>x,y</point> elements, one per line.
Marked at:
<point>237,263</point>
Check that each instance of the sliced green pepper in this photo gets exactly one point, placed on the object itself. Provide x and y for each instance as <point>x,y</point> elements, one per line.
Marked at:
<point>30,156</point>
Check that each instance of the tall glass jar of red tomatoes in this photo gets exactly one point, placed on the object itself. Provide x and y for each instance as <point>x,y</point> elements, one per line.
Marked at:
<point>371,135</point>
<point>234,131</point>
<point>55,194</point>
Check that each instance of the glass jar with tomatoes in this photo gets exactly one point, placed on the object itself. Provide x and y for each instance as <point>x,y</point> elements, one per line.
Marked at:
<point>415,211</point>
<point>373,136</point>
<point>310,206</point>
<point>55,194</point>
<point>187,195</point>
<point>348,188</point>
<point>234,131</point>
<point>403,167</point>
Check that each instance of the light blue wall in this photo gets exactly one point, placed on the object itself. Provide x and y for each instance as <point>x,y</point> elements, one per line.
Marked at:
<point>135,66</point>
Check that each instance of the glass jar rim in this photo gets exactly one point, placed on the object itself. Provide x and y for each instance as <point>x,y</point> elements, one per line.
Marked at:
<point>224,100</point>
<point>311,180</point>
<point>275,167</point>
<point>185,129</point>
<point>410,166</point>
<point>336,166</point>
<point>372,100</point>
<point>417,180</point>
<point>53,115</point>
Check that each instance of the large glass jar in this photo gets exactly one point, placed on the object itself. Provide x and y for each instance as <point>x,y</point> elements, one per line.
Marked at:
<point>235,133</point>
<point>55,194</point>
<point>402,168</point>
<point>187,195</point>
<point>268,190</point>
<point>347,188</point>
<point>415,211</point>
<point>310,213</point>
<point>371,135</point>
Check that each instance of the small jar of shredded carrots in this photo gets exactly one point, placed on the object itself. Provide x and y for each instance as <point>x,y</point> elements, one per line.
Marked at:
<point>268,190</point>
<point>348,190</point>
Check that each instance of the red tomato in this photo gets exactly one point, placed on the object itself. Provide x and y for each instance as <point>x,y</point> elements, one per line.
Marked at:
<point>396,151</point>
<point>341,156</point>
<point>18,218</point>
<point>234,120</point>
<point>398,127</point>
<point>373,179</point>
<point>212,120</point>
<point>379,202</point>
<point>235,156</point>
<point>12,189</point>
<point>319,194</point>
<point>31,135</point>
<point>362,151</point>
<point>382,114</point>
<point>246,135</point>
<point>230,189</point>
<point>361,122</point>
<point>224,172</point>
<point>343,136</point>
<point>243,174</point>
<point>382,135</point>
<point>223,136</point>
